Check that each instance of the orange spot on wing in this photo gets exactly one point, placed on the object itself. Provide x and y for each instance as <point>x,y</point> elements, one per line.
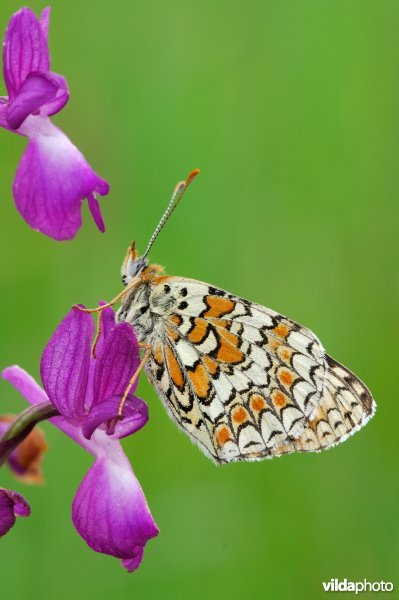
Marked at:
<point>200,381</point>
<point>158,355</point>
<point>223,435</point>
<point>229,337</point>
<point>174,368</point>
<point>240,415</point>
<point>258,403</point>
<point>218,306</point>
<point>274,344</point>
<point>286,377</point>
<point>173,334</point>
<point>285,353</point>
<point>210,364</point>
<point>199,331</point>
<point>281,330</point>
<point>176,319</point>
<point>279,399</point>
<point>228,353</point>
<point>312,424</point>
<point>221,323</point>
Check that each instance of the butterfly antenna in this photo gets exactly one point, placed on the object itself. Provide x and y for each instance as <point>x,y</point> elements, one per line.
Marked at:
<point>177,195</point>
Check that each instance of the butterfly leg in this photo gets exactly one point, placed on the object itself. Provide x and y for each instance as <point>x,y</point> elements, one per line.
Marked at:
<point>146,356</point>
<point>99,309</point>
<point>96,337</point>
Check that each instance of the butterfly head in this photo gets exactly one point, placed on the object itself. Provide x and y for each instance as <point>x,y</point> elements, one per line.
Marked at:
<point>133,264</point>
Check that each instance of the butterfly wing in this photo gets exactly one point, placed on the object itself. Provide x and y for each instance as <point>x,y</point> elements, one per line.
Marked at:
<point>244,382</point>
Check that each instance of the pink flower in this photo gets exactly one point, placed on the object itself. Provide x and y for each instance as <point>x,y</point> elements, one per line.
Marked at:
<point>109,510</point>
<point>12,505</point>
<point>53,177</point>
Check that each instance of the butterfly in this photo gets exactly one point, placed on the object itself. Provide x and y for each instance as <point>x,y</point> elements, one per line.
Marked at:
<point>243,381</point>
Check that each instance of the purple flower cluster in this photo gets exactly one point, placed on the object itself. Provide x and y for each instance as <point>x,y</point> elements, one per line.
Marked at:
<point>109,509</point>
<point>53,177</point>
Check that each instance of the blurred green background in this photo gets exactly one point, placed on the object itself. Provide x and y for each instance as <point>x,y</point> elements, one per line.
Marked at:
<point>291,111</point>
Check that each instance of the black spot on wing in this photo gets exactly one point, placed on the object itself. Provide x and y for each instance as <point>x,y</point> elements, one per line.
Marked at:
<point>212,291</point>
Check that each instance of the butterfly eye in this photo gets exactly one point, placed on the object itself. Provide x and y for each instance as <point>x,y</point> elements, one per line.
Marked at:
<point>135,267</point>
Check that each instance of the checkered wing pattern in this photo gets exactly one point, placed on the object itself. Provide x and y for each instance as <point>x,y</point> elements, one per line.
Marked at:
<point>244,382</point>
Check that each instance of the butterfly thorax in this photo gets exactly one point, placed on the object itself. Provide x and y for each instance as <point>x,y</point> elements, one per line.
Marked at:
<point>138,307</point>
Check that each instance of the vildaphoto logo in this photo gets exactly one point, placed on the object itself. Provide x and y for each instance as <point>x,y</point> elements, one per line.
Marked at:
<point>335,585</point>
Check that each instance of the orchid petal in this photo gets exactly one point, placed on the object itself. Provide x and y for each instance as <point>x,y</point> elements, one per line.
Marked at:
<point>134,416</point>
<point>107,320</point>
<point>65,364</point>
<point>57,103</point>
<point>25,384</point>
<point>52,180</point>
<point>45,21</point>
<point>110,512</point>
<point>25,50</point>
<point>107,323</point>
<point>45,91</point>
<point>116,364</point>
<point>131,564</point>
<point>3,112</point>
<point>11,505</point>
<point>33,393</point>
<point>96,212</point>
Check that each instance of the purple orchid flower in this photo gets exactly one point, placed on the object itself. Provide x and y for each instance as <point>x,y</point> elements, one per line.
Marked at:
<point>53,177</point>
<point>12,505</point>
<point>109,510</point>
